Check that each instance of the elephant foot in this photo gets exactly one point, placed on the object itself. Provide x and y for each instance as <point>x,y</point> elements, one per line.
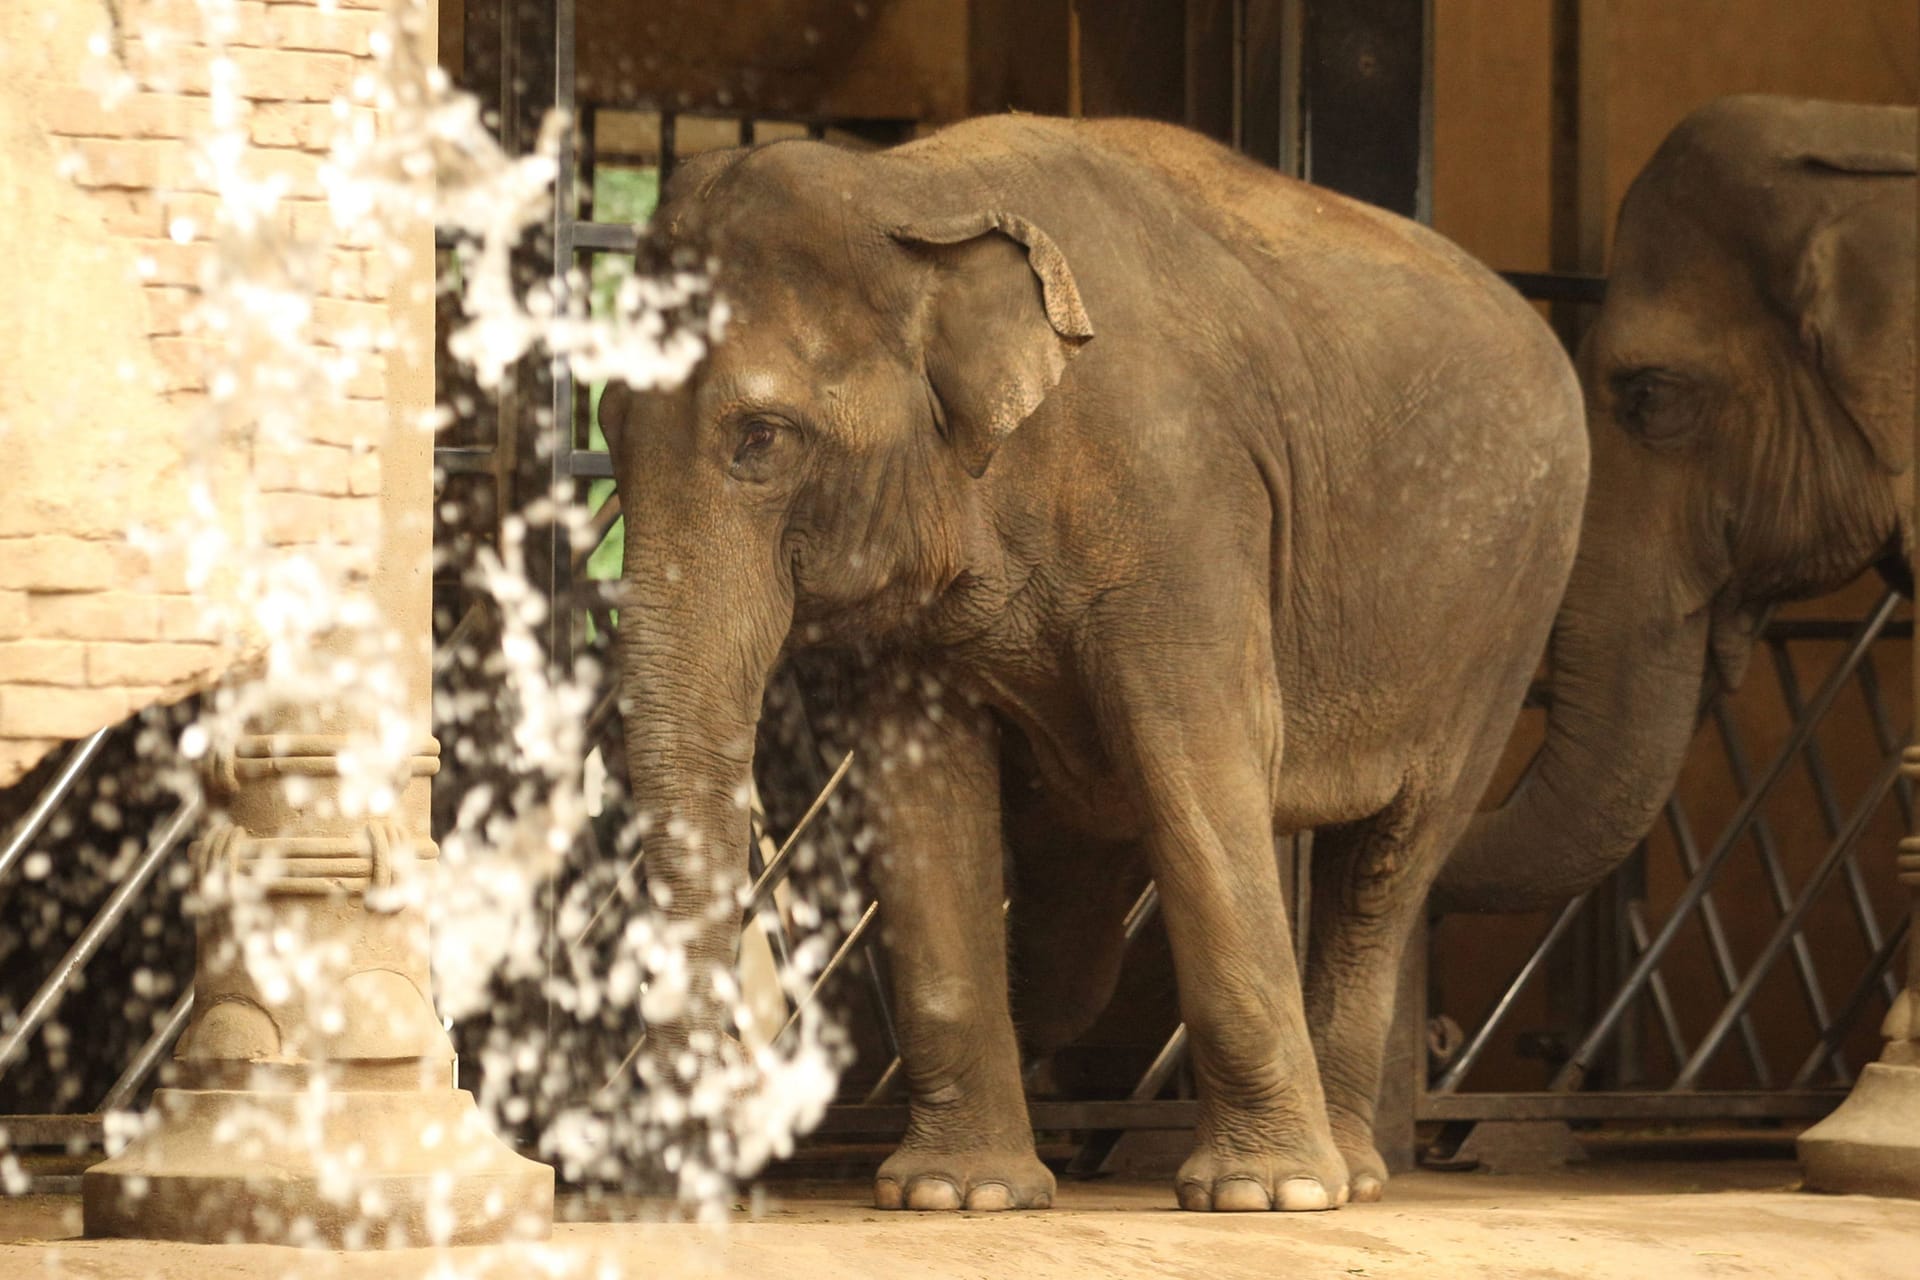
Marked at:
<point>1366,1171</point>
<point>984,1181</point>
<point>1291,1178</point>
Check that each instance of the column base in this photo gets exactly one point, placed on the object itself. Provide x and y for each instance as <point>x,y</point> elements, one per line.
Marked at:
<point>1871,1145</point>
<point>344,1169</point>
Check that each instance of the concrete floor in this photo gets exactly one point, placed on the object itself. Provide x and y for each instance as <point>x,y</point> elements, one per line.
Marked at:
<point>1649,1221</point>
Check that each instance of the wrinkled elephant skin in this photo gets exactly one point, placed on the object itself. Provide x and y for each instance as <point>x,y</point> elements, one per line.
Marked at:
<point>1149,504</point>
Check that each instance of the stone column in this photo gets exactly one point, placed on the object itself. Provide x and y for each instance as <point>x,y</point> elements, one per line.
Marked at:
<point>312,1098</point>
<point>1871,1144</point>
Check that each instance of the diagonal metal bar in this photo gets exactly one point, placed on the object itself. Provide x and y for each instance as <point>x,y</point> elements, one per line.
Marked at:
<point>1856,826</point>
<point>1489,1025</point>
<point>70,770</point>
<point>1657,984</point>
<point>840,954</point>
<point>1881,963</point>
<point>1869,629</point>
<point>777,870</point>
<point>1857,893</point>
<point>1724,967</point>
<point>54,989</point>
<point>1776,876</point>
<point>149,1056</point>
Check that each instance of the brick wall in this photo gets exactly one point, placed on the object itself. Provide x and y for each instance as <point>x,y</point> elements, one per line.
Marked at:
<point>99,389</point>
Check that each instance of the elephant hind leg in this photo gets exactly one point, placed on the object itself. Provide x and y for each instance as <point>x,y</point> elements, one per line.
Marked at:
<point>1067,931</point>
<point>1369,884</point>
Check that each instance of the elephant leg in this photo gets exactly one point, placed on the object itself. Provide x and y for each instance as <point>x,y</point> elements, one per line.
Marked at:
<point>1262,1140</point>
<point>1370,882</point>
<point>932,789</point>
<point>1066,929</point>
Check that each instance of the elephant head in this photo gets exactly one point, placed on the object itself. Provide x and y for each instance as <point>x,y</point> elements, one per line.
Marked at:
<point>815,482</point>
<point>1750,399</point>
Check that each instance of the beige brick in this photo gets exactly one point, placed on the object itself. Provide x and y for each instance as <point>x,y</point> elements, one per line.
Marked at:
<point>279,75</point>
<point>44,711</point>
<point>355,322</point>
<point>42,662</point>
<point>183,363</point>
<point>343,274</point>
<point>137,163</point>
<point>153,662</point>
<point>168,307</point>
<point>164,262</point>
<point>94,615</point>
<point>361,422</point>
<point>313,222</point>
<point>53,562</point>
<point>379,274</point>
<point>134,214</point>
<point>308,125</point>
<point>304,26</point>
<point>17,755</point>
<point>187,618</point>
<point>364,476</point>
<point>313,468</point>
<point>298,170</point>
<point>75,112</point>
<point>13,614</point>
<point>168,65</point>
<point>292,518</point>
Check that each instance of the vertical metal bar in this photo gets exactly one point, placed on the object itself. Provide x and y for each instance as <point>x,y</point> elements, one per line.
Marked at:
<point>1778,942</point>
<point>1367,80</point>
<point>149,1056</point>
<point>1883,730</point>
<point>54,989</point>
<point>1870,627</point>
<point>1725,969</point>
<point>56,791</point>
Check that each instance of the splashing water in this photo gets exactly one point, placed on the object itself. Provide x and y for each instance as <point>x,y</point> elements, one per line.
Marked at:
<point>408,153</point>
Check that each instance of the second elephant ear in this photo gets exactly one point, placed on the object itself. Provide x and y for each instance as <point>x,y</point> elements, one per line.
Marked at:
<point>1855,296</point>
<point>1003,318</point>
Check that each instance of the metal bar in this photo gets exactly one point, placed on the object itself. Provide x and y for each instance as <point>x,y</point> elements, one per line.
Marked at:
<point>1470,1054</point>
<point>464,459</point>
<point>48,997</point>
<point>149,1056</point>
<point>1869,629</point>
<point>890,1119</point>
<point>75,764</point>
<point>605,237</point>
<point>776,870</point>
<point>585,464</point>
<point>1748,1104</point>
<point>1789,925</point>
<point>1095,1151</point>
<point>1369,102</point>
<point>1725,969</point>
<point>1883,731</point>
<point>1881,963</point>
<point>840,954</point>
<point>1832,629</point>
<point>83,1130</point>
<point>1657,984</point>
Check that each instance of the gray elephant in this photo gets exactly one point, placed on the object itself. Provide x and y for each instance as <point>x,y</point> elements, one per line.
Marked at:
<point>1750,394</point>
<point>1150,504</point>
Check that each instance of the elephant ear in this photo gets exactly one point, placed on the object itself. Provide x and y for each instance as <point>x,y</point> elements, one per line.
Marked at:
<point>1855,298</point>
<point>1003,318</point>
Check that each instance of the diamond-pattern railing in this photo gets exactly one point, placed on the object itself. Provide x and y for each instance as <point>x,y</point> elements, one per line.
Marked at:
<point>1796,883</point>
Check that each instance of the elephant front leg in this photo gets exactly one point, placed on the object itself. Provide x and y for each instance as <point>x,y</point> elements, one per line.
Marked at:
<point>1263,1141</point>
<point>934,793</point>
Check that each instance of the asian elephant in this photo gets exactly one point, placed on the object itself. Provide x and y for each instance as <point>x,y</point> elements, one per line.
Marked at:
<point>1151,504</point>
<point>1750,400</point>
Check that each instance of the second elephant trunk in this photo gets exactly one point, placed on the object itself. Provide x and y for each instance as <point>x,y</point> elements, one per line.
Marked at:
<point>1626,695</point>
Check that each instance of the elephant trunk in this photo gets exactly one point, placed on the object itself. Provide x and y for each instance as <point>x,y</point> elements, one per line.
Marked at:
<point>690,697</point>
<point>1626,695</point>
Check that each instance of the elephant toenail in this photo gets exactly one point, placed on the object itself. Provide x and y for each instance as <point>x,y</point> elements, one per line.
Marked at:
<point>1367,1189</point>
<point>1303,1195</point>
<point>932,1193</point>
<point>886,1194</point>
<point>989,1197</point>
<point>1240,1195</point>
<point>1194,1197</point>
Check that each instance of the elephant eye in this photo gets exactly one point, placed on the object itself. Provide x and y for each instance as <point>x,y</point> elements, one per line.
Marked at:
<point>756,458</point>
<point>756,437</point>
<point>1652,405</point>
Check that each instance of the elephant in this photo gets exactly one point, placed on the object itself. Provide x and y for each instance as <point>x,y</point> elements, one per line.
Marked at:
<point>1750,397</point>
<point>1147,504</point>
